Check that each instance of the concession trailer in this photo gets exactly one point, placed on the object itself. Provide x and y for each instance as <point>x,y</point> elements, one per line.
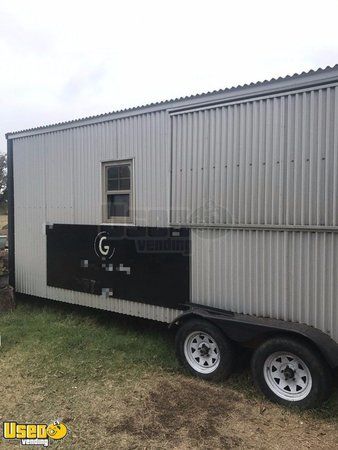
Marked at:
<point>216,213</point>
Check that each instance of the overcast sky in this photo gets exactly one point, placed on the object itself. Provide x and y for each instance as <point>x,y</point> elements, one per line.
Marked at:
<point>68,59</point>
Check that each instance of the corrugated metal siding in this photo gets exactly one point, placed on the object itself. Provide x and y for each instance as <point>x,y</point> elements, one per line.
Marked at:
<point>261,162</point>
<point>284,275</point>
<point>73,168</point>
<point>57,179</point>
<point>113,304</point>
<point>272,161</point>
<point>30,215</point>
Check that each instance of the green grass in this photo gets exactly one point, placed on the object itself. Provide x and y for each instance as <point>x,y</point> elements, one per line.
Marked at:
<point>65,341</point>
<point>116,383</point>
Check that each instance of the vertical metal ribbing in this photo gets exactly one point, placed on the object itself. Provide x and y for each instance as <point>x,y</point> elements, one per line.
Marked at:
<point>335,157</point>
<point>212,151</point>
<point>312,165</point>
<point>187,167</point>
<point>278,155</point>
<point>286,275</point>
<point>261,163</point>
<point>58,180</point>
<point>253,188</point>
<point>11,235</point>
<point>323,173</point>
<point>291,142</point>
<point>219,171</point>
<point>289,158</point>
<point>209,168</point>
<point>329,158</point>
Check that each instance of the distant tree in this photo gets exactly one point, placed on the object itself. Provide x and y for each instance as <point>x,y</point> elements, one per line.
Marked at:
<point>3,181</point>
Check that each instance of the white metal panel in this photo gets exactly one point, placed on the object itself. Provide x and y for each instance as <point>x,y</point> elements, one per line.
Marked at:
<point>30,213</point>
<point>57,179</point>
<point>58,174</point>
<point>265,161</point>
<point>285,275</point>
<point>73,157</point>
<point>272,161</point>
<point>137,309</point>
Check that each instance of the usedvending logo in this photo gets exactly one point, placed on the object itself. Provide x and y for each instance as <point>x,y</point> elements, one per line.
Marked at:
<point>34,433</point>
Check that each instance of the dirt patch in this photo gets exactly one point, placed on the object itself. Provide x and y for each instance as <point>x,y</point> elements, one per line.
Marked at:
<point>6,299</point>
<point>172,410</point>
<point>188,413</point>
<point>3,224</point>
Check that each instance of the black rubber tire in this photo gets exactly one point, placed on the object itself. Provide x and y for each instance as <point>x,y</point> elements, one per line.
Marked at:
<point>225,346</point>
<point>320,372</point>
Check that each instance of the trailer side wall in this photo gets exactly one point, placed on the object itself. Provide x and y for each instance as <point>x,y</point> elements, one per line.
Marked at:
<point>57,179</point>
<point>258,182</point>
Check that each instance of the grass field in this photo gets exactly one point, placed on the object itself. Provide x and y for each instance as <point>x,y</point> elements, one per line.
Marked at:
<point>116,384</point>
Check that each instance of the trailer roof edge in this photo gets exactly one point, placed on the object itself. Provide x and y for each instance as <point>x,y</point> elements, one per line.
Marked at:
<point>283,84</point>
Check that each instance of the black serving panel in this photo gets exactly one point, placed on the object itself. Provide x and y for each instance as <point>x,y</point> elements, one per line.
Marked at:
<point>143,264</point>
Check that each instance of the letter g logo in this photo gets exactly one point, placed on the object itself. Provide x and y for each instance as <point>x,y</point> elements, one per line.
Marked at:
<point>103,249</point>
<point>103,246</point>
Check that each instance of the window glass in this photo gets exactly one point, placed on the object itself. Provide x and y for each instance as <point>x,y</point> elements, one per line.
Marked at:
<point>118,177</point>
<point>124,171</point>
<point>124,183</point>
<point>118,205</point>
<point>118,191</point>
<point>113,184</point>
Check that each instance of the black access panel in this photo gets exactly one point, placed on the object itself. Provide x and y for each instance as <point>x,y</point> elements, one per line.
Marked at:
<point>142,264</point>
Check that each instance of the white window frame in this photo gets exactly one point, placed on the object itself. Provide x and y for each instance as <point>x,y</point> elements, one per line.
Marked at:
<point>105,192</point>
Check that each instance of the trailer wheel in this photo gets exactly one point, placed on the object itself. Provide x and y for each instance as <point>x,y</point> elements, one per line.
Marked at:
<point>291,373</point>
<point>203,350</point>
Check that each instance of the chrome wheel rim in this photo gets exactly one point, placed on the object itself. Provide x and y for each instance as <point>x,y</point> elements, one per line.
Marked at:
<point>202,352</point>
<point>287,376</point>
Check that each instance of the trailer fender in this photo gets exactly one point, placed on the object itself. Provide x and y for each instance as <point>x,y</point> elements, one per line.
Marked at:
<point>245,329</point>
